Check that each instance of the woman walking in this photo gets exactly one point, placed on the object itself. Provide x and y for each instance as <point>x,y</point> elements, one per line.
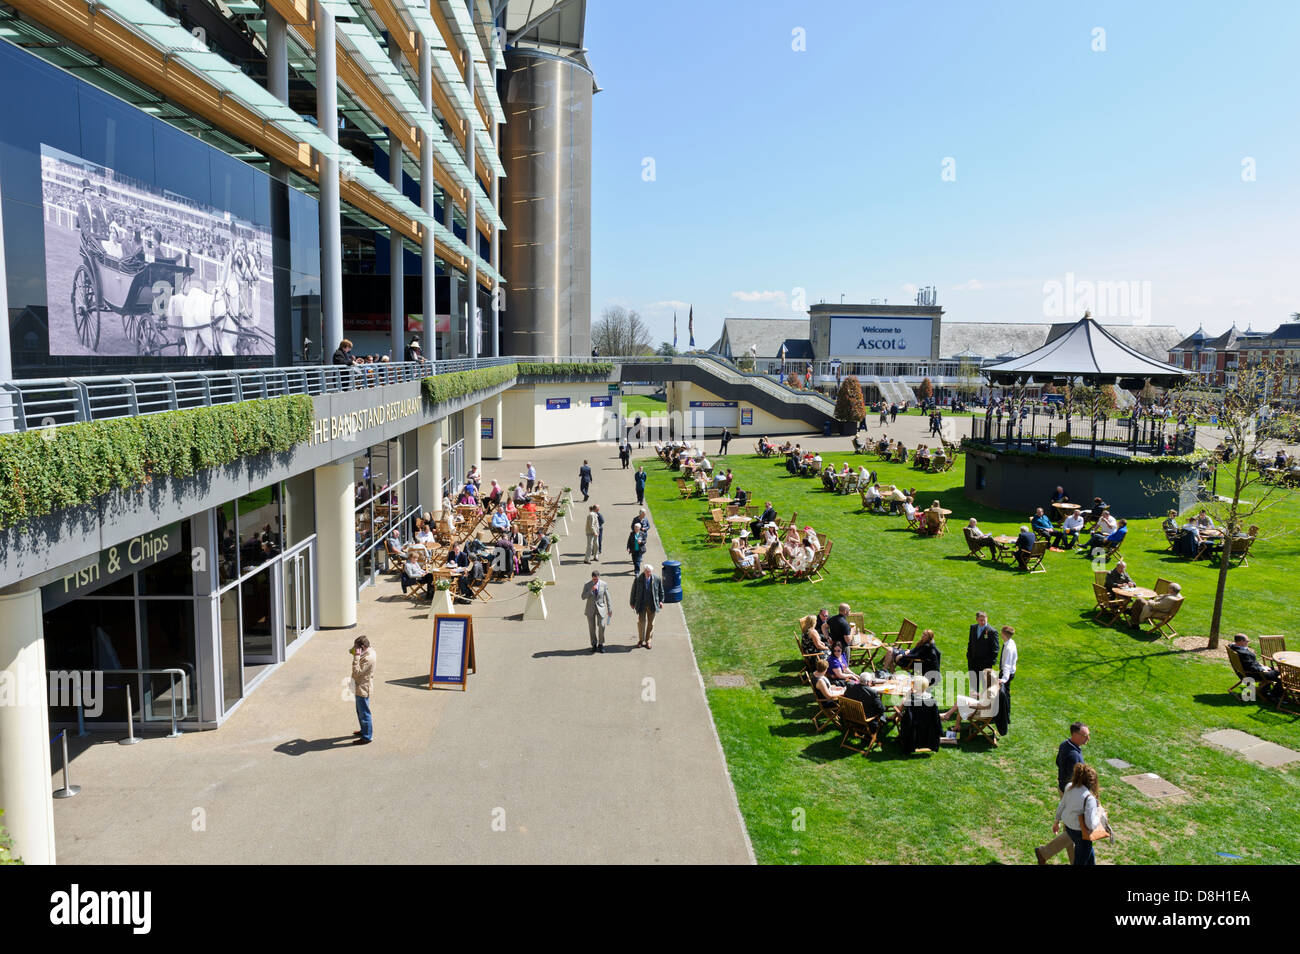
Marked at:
<point>1081,813</point>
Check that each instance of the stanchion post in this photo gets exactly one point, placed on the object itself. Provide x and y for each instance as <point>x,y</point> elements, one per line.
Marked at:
<point>68,789</point>
<point>130,724</point>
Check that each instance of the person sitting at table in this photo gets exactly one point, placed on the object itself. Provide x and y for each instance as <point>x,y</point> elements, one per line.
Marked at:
<point>901,451</point>
<point>1106,525</point>
<point>810,638</point>
<point>500,520</point>
<point>983,704</point>
<point>864,477</point>
<point>1189,539</point>
<point>909,511</point>
<point>1041,524</point>
<point>740,550</point>
<point>978,538</point>
<point>872,498</point>
<point>1159,607</point>
<point>770,536</point>
<point>811,540</point>
<point>1118,576</point>
<point>896,498</point>
<point>1251,666</point>
<point>841,674</point>
<point>933,520</point>
<point>1068,535</point>
<point>1058,496</point>
<point>511,510</point>
<point>414,575</point>
<point>1280,460</point>
<point>924,656</point>
<point>1115,538</point>
<point>1024,546</point>
<point>922,457</point>
<point>423,533</point>
<point>826,691</point>
<point>393,547</point>
<point>857,444</point>
<point>494,495</point>
<point>1170,523</point>
<point>475,476</point>
<point>763,519</point>
<point>828,477</point>
<point>519,494</point>
<point>1203,521</point>
<point>466,498</point>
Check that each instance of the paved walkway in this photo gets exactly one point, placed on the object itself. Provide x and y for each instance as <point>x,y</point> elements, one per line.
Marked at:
<point>551,756</point>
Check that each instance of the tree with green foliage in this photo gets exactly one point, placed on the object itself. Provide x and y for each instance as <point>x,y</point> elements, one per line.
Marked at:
<point>968,377</point>
<point>7,856</point>
<point>666,350</point>
<point>926,390</point>
<point>849,404</point>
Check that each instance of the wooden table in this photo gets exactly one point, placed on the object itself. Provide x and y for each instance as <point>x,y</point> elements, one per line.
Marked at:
<point>1288,657</point>
<point>739,518</point>
<point>941,510</point>
<point>1003,544</point>
<point>1135,592</point>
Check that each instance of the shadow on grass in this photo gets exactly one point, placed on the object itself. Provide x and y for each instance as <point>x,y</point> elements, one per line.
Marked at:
<point>1262,710</point>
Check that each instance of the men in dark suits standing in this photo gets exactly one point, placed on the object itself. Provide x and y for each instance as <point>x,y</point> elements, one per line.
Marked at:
<point>725,440</point>
<point>981,649</point>
<point>646,601</point>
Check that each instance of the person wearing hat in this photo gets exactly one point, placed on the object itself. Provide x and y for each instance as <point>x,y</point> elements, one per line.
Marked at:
<point>413,352</point>
<point>87,207</point>
<point>599,610</point>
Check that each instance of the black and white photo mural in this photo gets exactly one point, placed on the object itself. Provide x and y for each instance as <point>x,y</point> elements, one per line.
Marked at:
<point>131,270</point>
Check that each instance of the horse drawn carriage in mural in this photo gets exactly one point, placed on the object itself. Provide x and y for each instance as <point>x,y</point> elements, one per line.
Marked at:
<point>156,298</point>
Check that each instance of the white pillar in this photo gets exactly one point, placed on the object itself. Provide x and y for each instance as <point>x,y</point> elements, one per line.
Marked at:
<point>336,545</point>
<point>429,443</point>
<point>428,254</point>
<point>492,408</point>
<point>25,774</point>
<point>396,273</point>
<point>331,228</point>
<point>277,55</point>
<point>473,437</point>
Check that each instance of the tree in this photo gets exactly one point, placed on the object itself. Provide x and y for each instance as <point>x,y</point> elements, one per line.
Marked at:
<point>968,377</point>
<point>666,350</point>
<point>849,405</point>
<point>1243,405</point>
<point>926,390</point>
<point>619,332</point>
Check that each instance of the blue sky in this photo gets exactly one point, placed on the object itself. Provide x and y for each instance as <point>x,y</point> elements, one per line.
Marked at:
<point>821,170</point>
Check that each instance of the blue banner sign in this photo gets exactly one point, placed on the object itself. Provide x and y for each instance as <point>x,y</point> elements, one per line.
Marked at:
<point>557,404</point>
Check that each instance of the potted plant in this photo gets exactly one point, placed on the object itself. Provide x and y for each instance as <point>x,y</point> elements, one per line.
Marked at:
<point>545,560</point>
<point>535,608</point>
<point>444,598</point>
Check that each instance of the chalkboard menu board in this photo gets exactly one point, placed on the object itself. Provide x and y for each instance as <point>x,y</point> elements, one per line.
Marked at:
<point>453,650</point>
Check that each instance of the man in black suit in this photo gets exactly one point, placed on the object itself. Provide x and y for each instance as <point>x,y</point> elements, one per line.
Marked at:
<point>767,516</point>
<point>724,441</point>
<point>981,649</point>
<point>1251,666</point>
<point>584,479</point>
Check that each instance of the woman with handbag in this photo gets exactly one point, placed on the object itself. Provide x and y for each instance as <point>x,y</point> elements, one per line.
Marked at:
<point>1081,813</point>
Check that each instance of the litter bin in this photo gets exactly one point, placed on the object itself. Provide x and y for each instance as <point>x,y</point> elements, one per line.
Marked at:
<point>672,581</point>
<point>826,429</point>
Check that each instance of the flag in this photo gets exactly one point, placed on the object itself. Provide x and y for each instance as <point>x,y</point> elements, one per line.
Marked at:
<point>674,331</point>
<point>690,326</point>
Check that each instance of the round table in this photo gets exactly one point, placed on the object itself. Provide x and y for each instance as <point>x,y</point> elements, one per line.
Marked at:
<point>739,518</point>
<point>1289,657</point>
<point>1004,540</point>
<point>940,510</point>
<point>1133,592</point>
<point>1060,505</point>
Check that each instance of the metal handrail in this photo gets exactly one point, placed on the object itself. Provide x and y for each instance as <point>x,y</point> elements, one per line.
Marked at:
<point>171,688</point>
<point>33,403</point>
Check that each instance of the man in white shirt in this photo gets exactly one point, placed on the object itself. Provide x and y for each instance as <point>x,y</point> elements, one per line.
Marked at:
<point>909,511</point>
<point>1068,535</point>
<point>532,475</point>
<point>871,497</point>
<point>1010,657</point>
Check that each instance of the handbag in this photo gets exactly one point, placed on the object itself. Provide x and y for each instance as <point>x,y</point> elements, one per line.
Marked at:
<point>1095,834</point>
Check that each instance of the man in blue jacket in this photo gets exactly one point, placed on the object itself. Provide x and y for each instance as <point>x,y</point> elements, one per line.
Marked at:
<point>640,479</point>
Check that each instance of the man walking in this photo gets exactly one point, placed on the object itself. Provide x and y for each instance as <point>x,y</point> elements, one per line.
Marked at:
<point>1068,754</point>
<point>981,649</point>
<point>584,479</point>
<point>640,478</point>
<point>636,545</point>
<point>363,680</point>
<point>647,599</point>
<point>600,529</point>
<point>593,534</point>
<point>725,440</point>
<point>599,610</point>
<point>625,454</point>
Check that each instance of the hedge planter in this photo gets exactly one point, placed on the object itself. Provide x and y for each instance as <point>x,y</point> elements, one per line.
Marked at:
<point>535,608</point>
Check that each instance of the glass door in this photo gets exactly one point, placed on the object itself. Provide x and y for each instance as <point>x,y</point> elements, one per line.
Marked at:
<point>297,595</point>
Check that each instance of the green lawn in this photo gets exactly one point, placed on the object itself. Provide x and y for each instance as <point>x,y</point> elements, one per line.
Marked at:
<point>1147,702</point>
<point>644,404</point>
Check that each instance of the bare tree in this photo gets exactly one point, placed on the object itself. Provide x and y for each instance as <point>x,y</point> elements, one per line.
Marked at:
<point>620,332</point>
<point>1240,467</point>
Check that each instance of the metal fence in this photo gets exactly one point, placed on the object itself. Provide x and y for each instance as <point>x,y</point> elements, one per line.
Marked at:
<point>1127,436</point>
<point>54,402</point>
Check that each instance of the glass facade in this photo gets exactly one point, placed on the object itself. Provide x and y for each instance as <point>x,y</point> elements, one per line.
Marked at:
<point>388,498</point>
<point>134,154</point>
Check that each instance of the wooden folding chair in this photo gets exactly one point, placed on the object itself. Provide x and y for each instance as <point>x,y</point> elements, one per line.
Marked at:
<point>717,533</point>
<point>479,590</point>
<point>914,522</point>
<point>815,571</point>
<point>1288,683</point>
<point>1235,662</point>
<point>1269,646</point>
<point>973,545</point>
<point>751,572</point>
<point>1099,576</point>
<point>826,712</point>
<point>1238,548</point>
<point>809,661</point>
<point>857,725</point>
<point>980,724</point>
<point>1162,586</point>
<point>903,639</point>
<point>1163,625</point>
<point>1031,561</point>
<point>1110,606</point>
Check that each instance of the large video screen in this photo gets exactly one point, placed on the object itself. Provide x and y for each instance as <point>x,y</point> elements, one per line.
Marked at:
<point>131,270</point>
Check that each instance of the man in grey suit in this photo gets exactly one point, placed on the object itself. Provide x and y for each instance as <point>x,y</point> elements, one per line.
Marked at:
<point>647,600</point>
<point>599,610</point>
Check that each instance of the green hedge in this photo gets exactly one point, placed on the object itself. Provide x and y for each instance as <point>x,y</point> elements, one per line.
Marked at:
<point>446,387</point>
<point>50,469</point>
<point>1193,459</point>
<point>566,369</point>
